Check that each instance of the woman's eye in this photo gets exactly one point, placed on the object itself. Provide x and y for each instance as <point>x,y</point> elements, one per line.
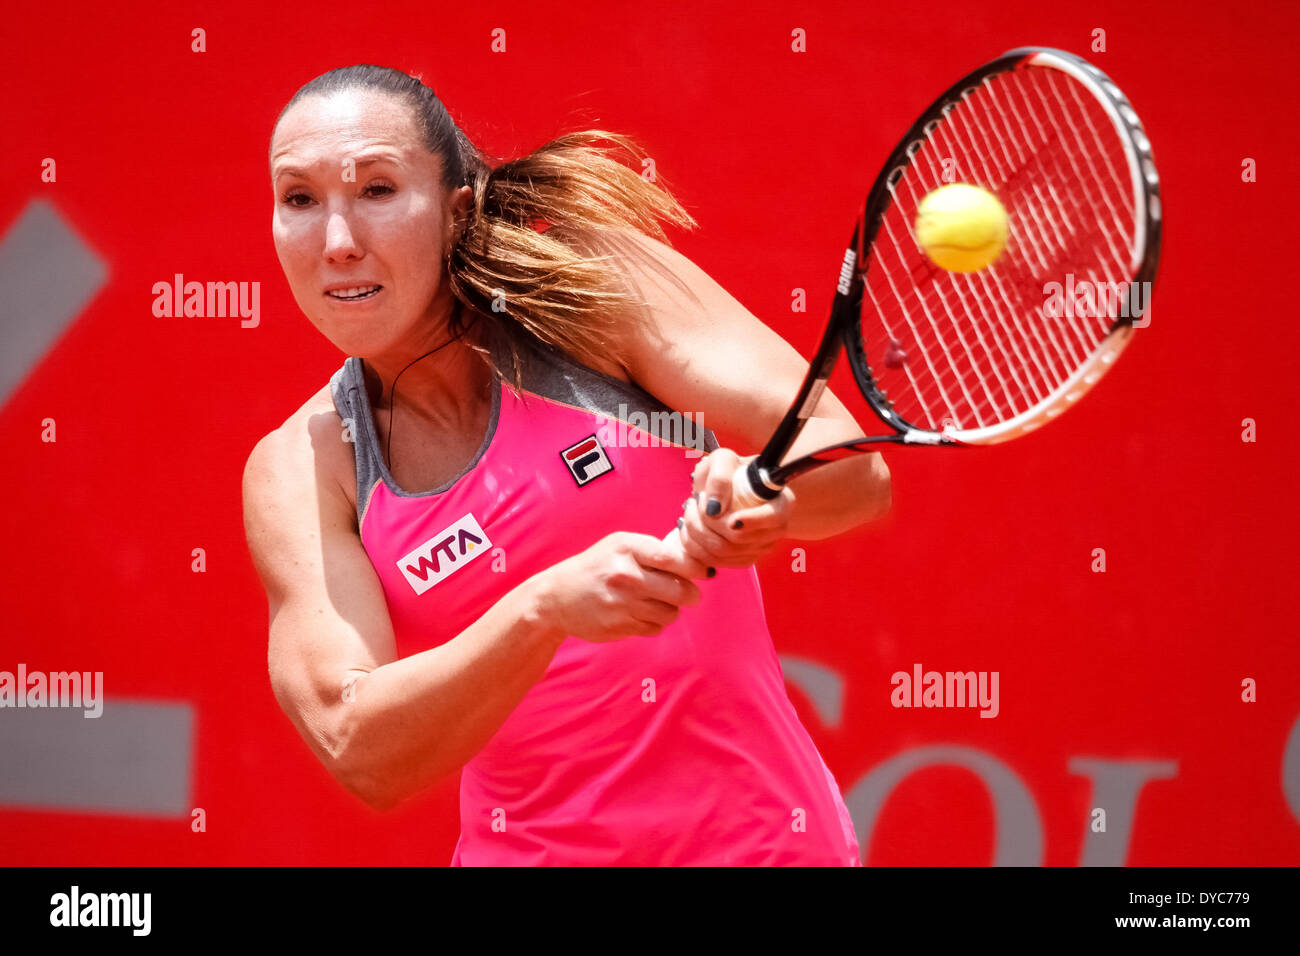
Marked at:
<point>290,199</point>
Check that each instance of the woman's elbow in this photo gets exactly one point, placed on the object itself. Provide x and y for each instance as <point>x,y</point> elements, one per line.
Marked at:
<point>384,783</point>
<point>352,764</point>
<point>332,737</point>
<point>383,790</point>
<point>369,791</point>
<point>372,785</point>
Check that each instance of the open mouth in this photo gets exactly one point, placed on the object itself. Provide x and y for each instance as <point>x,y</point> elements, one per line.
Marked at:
<point>355,294</point>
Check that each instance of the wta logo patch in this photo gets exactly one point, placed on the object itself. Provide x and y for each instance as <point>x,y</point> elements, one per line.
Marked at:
<point>444,554</point>
<point>586,460</point>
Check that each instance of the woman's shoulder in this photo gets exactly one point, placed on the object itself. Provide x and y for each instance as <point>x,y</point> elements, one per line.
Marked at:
<point>309,450</point>
<point>315,419</point>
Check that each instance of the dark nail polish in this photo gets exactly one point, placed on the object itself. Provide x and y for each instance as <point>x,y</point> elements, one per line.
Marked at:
<point>738,524</point>
<point>714,509</point>
<point>712,571</point>
<point>680,522</point>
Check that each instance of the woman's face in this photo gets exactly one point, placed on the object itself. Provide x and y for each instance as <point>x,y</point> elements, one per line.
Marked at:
<point>359,202</point>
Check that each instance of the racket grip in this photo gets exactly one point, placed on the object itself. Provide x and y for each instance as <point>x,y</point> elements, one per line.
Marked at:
<point>743,496</point>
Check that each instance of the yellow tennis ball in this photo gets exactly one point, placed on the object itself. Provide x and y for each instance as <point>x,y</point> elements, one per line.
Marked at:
<point>961,227</point>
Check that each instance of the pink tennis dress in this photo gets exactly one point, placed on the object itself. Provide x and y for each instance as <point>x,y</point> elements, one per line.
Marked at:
<point>677,749</point>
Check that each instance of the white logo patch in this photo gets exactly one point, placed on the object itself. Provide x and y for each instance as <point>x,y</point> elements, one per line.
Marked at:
<point>445,553</point>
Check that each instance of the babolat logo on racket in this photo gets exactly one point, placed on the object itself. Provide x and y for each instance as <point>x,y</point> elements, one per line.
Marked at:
<point>444,554</point>
<point>586,460</point>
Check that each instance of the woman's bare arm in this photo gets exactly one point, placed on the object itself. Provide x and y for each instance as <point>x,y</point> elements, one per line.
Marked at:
<point>699,350</point>
<point>388,727</point>
<point>401,724</point>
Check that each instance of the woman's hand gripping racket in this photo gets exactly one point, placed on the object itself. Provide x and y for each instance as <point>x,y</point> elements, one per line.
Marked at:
<point>962,358</point>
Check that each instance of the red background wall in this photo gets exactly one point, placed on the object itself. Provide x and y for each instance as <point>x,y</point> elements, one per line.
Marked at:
<point>984,563</point>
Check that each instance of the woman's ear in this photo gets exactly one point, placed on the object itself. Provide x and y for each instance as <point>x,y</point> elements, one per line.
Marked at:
<point>462,200</point>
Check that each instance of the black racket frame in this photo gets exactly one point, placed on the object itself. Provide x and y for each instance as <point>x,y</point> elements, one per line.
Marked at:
<point>766,475</point>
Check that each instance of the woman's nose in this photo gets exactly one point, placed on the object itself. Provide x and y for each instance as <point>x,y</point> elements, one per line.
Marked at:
<point>340,237</point>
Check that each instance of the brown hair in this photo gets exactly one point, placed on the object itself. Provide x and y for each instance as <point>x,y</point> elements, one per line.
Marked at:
<point>535,257</point>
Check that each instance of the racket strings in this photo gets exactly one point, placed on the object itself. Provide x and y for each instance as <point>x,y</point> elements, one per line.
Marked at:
<point>979,348</point>
<point>1006,311</point>
<point>1075,246</point>
<point>1042,227</point>
<point>1118,185</point>
<point>1047,349</point>
<point>979,143</point>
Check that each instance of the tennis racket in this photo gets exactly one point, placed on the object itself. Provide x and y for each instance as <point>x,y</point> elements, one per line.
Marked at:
<point>949,359</point>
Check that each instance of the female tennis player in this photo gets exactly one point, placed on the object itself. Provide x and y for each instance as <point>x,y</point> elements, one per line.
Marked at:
<point>460,536</point>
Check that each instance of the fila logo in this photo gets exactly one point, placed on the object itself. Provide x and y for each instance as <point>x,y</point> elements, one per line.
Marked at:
<point>445,553</point>
<point>586,460</point>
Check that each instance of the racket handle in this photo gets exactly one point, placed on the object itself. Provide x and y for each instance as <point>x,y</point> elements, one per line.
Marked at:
<point>743,496</point>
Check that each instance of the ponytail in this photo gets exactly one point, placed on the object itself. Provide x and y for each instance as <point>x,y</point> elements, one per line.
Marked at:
<point>526,260</point>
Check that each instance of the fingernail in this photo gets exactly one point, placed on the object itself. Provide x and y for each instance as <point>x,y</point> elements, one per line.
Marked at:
<point>738,524</point>
<point>714,509</point>
<point>712,571</point>
<point>680,522</point>
<point>686,504</point>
